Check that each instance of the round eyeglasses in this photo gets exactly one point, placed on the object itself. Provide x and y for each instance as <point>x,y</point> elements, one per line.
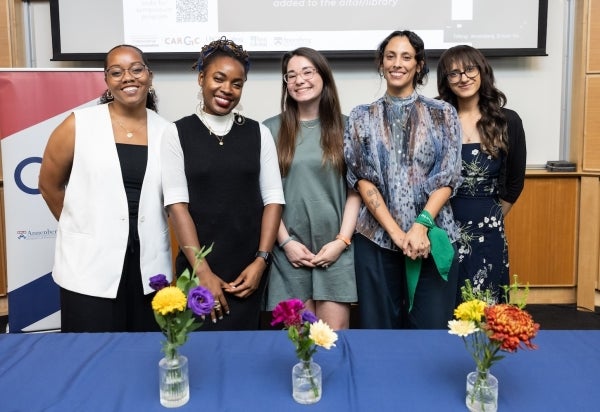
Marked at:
<point>136,70</point>
<point>307,73</point>
<point>455,76</point>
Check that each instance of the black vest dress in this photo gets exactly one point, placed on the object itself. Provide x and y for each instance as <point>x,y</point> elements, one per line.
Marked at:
<point>226,206</point>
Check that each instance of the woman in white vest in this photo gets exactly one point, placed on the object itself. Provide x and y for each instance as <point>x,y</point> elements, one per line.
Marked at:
<point>101,179</point>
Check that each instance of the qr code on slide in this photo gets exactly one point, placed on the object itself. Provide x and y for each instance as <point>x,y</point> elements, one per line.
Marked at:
<point>192,11</point>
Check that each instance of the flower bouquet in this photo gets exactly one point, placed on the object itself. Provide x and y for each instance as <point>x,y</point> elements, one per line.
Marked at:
<point>306,333</point>
<point>487,328</point>
<point>175,308</point>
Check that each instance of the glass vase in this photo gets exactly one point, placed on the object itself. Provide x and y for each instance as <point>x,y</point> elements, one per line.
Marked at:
<point>174,381</point>
<point>306,382</point>
<point>482,391</point>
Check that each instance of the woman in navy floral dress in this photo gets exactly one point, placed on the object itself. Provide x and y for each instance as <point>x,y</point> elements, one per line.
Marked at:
<point>493,166</point>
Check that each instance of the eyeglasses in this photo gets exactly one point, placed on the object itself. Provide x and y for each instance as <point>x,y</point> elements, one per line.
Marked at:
<point>117,73</point>
<point>455,76</point>
<point>307,73</point>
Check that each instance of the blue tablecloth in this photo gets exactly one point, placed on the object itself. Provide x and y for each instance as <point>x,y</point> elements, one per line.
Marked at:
<point>251,371</point>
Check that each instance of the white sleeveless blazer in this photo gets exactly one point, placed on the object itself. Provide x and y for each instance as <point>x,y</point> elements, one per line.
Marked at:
<point>94,224</point>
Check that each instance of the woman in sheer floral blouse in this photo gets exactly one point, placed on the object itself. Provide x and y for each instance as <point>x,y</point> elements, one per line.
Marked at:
<point>403,157</point>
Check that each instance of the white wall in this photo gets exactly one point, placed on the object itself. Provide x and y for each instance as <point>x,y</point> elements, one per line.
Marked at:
<point>534,85</point>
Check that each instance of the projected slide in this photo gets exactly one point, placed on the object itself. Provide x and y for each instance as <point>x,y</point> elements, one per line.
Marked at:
<point>163,26</point>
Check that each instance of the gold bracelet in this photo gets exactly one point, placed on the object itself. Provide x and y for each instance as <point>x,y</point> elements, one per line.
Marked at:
<point>341,237</point>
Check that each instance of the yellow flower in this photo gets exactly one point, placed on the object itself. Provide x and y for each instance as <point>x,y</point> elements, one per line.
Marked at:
<point>322,334</point>
<point>470,310</point>
<point>169,300</point>
<point>462,328</point>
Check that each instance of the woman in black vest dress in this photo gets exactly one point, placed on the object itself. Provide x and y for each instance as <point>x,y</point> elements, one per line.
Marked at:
<point>222,187</point>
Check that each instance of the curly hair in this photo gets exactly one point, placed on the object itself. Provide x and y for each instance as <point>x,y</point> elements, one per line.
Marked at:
<point>417,43</point>
<point>330,115</point>
<point>492,126</point>
<point>222,47</point>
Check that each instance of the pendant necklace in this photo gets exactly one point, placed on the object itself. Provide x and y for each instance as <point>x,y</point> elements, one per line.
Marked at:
<point>221,135</point>
<point>470,137</point>
<point>129,134</point>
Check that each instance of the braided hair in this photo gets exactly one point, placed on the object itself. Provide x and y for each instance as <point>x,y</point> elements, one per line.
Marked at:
<point>222,47</point>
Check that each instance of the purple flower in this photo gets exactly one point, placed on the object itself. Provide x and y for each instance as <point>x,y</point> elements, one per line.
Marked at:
<point>308,316</point>
<point>158,282</point>
<point>200,300</point>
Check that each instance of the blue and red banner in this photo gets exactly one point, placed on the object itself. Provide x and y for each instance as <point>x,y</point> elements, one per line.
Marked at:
<point>32,104</point>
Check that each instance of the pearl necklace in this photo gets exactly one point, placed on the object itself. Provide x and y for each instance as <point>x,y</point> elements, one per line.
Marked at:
<point>221,134</point>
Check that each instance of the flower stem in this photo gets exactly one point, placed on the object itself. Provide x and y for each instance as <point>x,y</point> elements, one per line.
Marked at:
<point>313,384</point>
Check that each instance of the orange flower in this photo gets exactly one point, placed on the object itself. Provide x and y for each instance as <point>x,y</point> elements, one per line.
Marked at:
<point>511,326</point>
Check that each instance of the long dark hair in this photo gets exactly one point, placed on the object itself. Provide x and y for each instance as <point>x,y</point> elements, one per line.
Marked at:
<point>107,97</point>
<point>417,43</point>
<point>330,115</point>
<point>492,126</point>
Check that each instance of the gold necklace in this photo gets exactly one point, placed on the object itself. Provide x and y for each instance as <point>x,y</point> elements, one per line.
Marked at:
<point>128,133</point>
<point>220,137</point>
<point>471,136</point>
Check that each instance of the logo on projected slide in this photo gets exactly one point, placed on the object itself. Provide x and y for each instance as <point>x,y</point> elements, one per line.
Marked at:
<point>183,40</point>
<point>36,234</point>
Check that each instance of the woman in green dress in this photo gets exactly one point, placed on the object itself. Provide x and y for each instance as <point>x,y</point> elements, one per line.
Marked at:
<point>314,261</point>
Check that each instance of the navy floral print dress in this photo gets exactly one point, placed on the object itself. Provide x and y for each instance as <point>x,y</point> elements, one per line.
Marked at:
<point>482,246</point>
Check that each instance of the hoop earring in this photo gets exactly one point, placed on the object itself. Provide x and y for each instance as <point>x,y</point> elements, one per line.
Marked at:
<point>109,95</point>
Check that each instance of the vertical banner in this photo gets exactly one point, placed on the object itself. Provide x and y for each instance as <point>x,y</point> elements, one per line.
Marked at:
<point>32,104</point>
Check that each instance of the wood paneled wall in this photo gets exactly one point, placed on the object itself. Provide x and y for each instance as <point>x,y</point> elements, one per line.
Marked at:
<point>588,242</point>
<point>591,128</point>
<point>12,47</point>
<point>585,147</point>
<point>542,231</point>
<point>593,35</point>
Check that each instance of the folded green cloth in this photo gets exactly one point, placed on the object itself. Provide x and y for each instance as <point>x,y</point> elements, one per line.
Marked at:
<point>442,252</point>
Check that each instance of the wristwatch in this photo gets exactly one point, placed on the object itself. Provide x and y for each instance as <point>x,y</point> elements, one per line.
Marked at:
<point>265,255</point>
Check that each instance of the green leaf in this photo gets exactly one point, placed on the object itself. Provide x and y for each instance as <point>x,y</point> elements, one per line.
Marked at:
<point>162,323</point>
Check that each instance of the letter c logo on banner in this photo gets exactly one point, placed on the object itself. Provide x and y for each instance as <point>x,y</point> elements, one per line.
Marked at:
<point>19,170</point>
